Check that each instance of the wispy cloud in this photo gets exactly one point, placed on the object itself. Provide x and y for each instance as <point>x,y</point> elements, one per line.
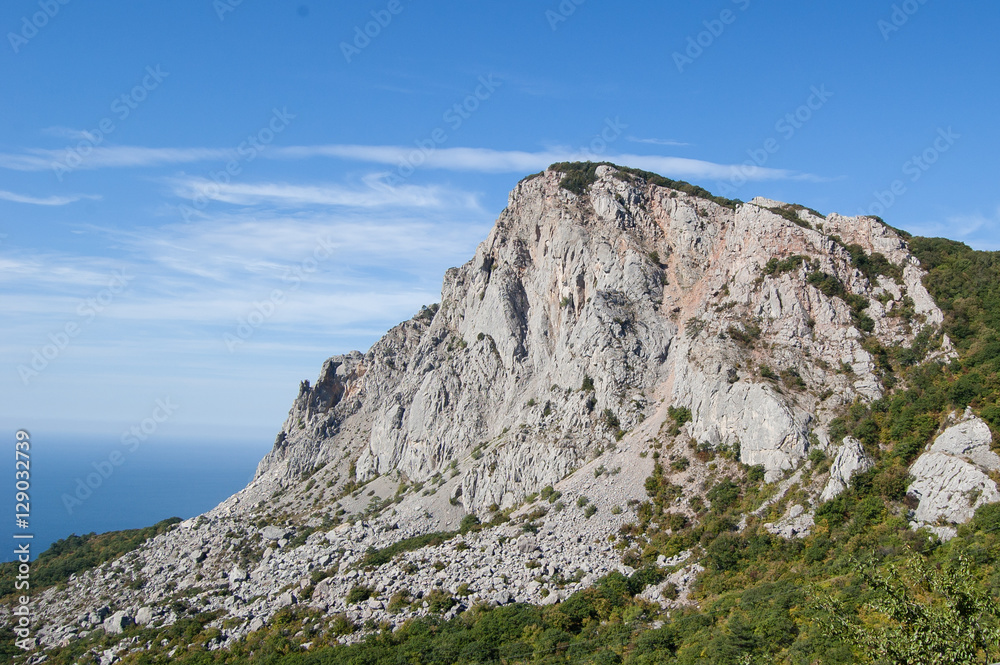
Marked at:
<point>666,142</point>
<point>37,159</point>
<point>977,229</point>
<point>484,160</point>
<point>376,194</point>
<point>45,201</point>
<point>68,133</point>
<point>515,161</point>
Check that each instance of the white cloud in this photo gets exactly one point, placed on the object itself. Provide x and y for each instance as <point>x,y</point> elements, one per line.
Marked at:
<point>978,230</point>
<point>666,142</point>
<point>98,157</point>
<point>68,133</point>
<point>46,201</point>
<point>375,195</point>
<point>515,161</point>
<point>455,159</point>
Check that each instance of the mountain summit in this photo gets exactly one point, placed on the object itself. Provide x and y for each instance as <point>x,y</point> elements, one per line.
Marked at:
<point>586,315</point>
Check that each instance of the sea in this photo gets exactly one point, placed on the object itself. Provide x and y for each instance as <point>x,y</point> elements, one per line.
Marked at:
<point>84,484</point>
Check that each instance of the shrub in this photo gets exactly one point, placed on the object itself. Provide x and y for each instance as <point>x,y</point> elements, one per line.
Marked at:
<point>724,494</point>
<point>777,267</point>
<point>358,593</point>
<point>679,415</point>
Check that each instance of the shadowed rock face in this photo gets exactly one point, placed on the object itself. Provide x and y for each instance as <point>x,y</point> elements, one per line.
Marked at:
<point>655,297</point>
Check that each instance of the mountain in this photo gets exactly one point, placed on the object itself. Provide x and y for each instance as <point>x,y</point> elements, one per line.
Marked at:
<point>631,380</point>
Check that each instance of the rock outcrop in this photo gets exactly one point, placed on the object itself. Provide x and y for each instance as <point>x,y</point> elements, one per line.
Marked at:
<point>851,459</point>
<point>579,315</point>
<point>952,478</point>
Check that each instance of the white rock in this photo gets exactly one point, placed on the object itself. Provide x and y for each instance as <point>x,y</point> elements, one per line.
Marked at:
<point>851,459</point>
<point>951,479</point>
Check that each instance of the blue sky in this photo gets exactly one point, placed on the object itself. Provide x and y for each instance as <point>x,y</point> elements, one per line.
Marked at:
<point>200,201</point>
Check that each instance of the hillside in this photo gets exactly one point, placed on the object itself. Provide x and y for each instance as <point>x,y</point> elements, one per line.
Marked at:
<point>644,424</point>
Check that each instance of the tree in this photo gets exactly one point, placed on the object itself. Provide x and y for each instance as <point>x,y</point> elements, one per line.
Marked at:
<point>917,614</point>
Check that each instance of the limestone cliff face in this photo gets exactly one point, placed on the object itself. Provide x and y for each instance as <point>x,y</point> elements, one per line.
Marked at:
<point>580,316</point>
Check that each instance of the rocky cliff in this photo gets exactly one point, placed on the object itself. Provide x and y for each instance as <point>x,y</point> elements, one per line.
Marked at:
<point>580,316</point>
<point>599,335</point>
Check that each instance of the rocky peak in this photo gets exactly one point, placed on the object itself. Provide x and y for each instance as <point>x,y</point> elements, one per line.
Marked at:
<point>585,313</point>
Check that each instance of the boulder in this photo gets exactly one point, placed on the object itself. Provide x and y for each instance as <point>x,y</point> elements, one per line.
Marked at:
<point>850,459</point>
<point>144,615</point>
<point>273,533</point>
<point>117,623</point>
<point>951,480</point>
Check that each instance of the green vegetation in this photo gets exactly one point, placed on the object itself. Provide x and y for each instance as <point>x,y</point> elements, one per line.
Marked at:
<point>358,594</point>
<point>777,267</point>
<point>791,213</point>
<point>871,265</point>
<point>581,175</point>
<point>832,287</point>
<point>679,415</point>
<point>76,554</point>
<point>746,336</point>
<point>956,626</point>
<point>375,558</point>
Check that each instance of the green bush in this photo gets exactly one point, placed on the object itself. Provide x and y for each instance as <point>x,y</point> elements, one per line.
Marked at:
<point>358,593</point>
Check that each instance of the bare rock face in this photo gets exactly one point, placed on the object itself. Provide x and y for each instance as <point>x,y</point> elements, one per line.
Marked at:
<point>951,480</point>
<point>851,459</point>
<point>578,316</point>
